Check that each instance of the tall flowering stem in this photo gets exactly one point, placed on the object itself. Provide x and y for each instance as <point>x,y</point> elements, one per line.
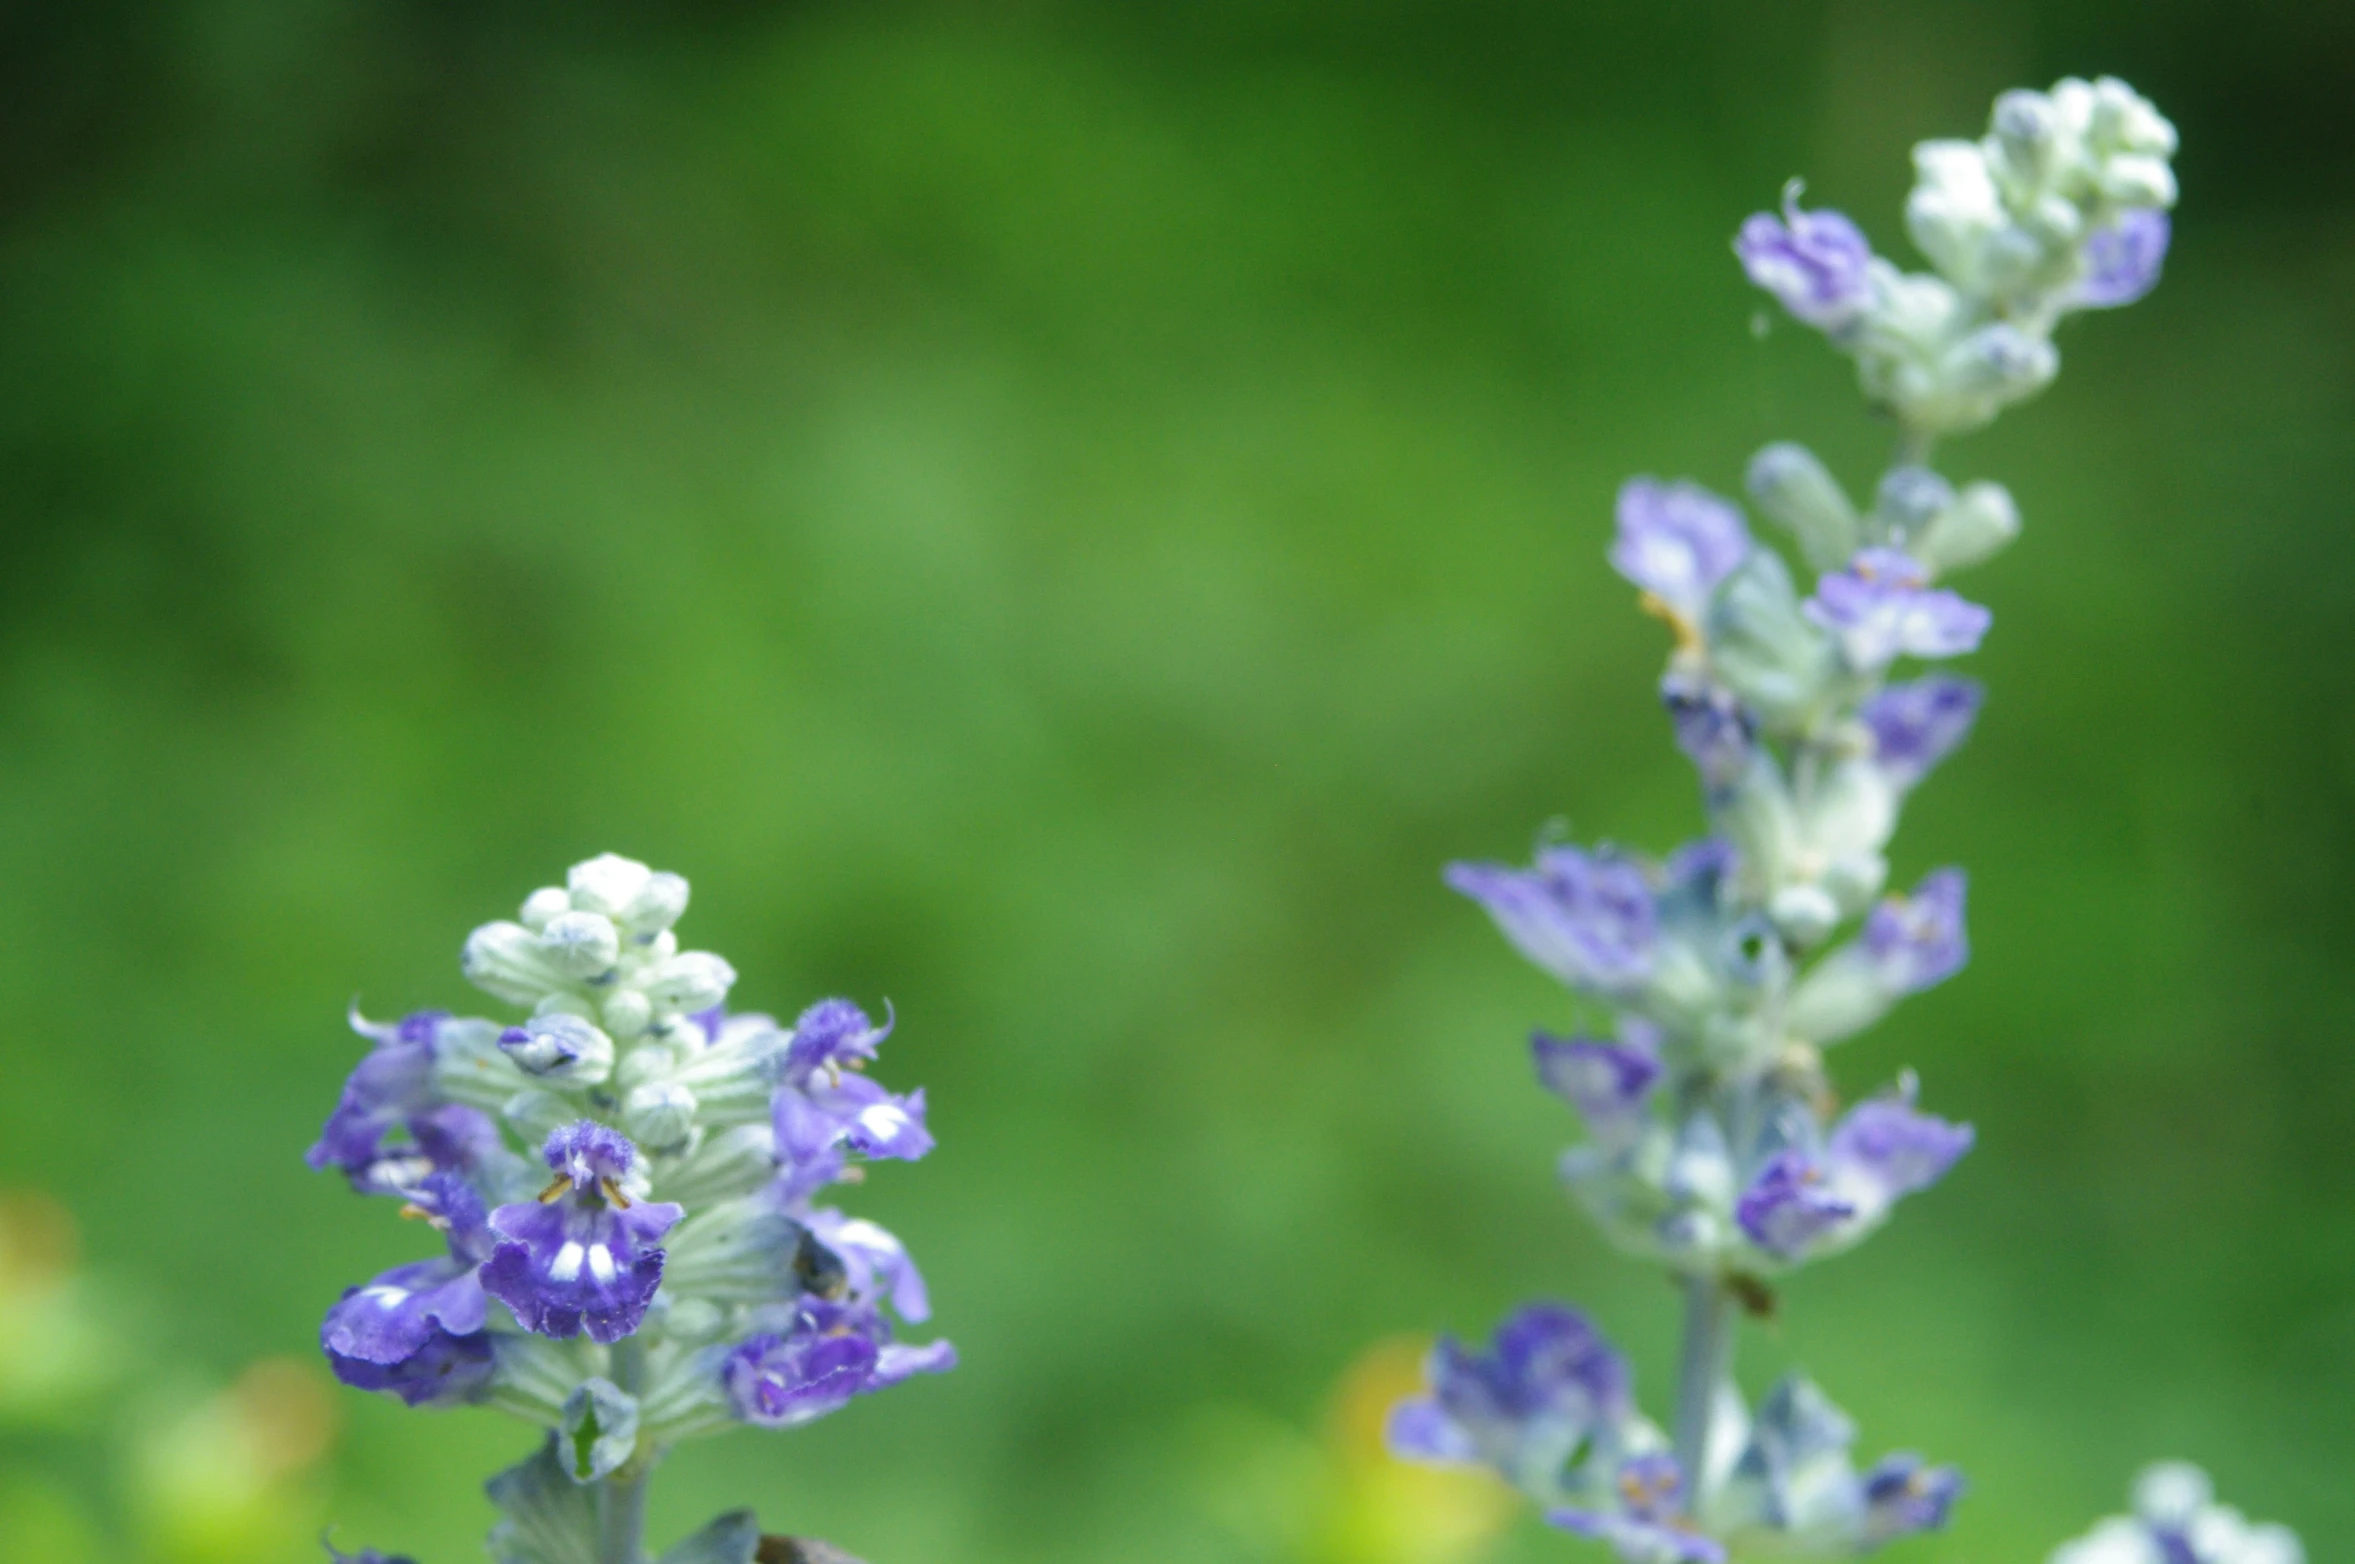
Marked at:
<point>626,1183</point>
<point>1714,1143</point>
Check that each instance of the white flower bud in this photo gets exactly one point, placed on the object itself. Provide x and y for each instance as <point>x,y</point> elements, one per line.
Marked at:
<point>1909,499</point>
<point>1797,490</point>
<point>1851,812</point>
<point>606,883</point>
<point>599,1430</point>
<point>507,960</point>
<point>657,904</point>
<point>691,981</point>
<point>1700,1170</point>
<point>1974,379</point>
<point>1954,208</point>
<point>659,1116</point>
<point>2125,119</point>
<point>1757,817</point>
<point>2137,179</point>
<point>2025,138</point>
<point>1976,526</point>
<point>627,1013</point>
<point>561,1047</point>
<point>1853,881</point>
<point>581,945</point>
<point>1764,649</point>
<point>1804,914</point>
<point>2172,1493</point>
<point>548,902</point>
<point>651,1060</point>
<point>1840,997</point>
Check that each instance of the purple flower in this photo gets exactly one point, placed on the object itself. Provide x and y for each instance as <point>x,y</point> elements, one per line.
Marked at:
<point>824,1107</point>
<point>1523,1408</point>
<point>875,1264</point>
<point>2123,259</point>
<point>1816,263</point>
<point>1903,1496</point>
<point>1886,1143</point>
<point>583,1257</point>
<point>1802,1201</point>
<point>1881,607</point>
<point>1608,1083</point>
<point>1588,919</point>
<point>831,1353</point>
<point>1696,867</point>
<point>1713,728</point>
<point>1916,941</point>
<point>1677,541</point>
<point>1790,1204</point>
<point>393,1081</point>
<point>417,1330</point>
<point>1646,1526</point>
<point>1916,725</point>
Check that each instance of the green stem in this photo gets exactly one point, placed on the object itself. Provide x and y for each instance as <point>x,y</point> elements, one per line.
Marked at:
<point>1707,1362</point>
<point>621,1497</point>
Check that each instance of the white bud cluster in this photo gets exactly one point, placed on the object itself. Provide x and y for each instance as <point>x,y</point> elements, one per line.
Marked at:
<point>612,999</point>
<point>2059,207</point>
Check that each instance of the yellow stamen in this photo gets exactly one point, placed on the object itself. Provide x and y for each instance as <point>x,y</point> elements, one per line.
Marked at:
<point>1688,634</point>
<point>555,1190</point>
<point>613,1193</point>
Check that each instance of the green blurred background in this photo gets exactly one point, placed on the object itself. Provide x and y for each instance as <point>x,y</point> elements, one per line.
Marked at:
<point>1065,516</point>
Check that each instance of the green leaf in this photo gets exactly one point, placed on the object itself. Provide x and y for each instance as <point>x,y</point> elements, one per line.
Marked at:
<point>549,1518</point>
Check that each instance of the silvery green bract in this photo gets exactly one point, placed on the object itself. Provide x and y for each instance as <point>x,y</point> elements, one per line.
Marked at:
<point>1714,980</point>
<point>625,1185</point>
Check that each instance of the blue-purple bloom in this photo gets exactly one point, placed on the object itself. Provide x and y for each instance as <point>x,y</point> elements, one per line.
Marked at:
<point>1916,725</point>
<point>418,1329</point>
<point>1904,1495</point>
<point>1817,263</point>
<point>1882,607</point>
<point>1587,918</point>
<point>583,1257</point>
<point>1916,941</point>
<point>1524,1407</point>
<point>1713,728</point>
<point>1647,1525</point>
<point>2123,259</point>
<point>1609,1083</point>
<point>1677,541</point>
<point>391,1082</point>
<point>831,1353</point>
<point>1803,1201</point>
<point>824,1107</point>
<point>876,1265</point>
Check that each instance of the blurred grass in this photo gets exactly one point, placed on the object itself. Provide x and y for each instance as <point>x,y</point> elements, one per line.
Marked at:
<point>1065,516</point>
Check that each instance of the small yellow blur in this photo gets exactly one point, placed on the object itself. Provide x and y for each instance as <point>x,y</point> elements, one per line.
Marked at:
<point>1338,1496</point>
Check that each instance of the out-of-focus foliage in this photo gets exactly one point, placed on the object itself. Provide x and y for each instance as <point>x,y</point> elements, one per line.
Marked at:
<point>111,1445</point>
<point>1063,516</point>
